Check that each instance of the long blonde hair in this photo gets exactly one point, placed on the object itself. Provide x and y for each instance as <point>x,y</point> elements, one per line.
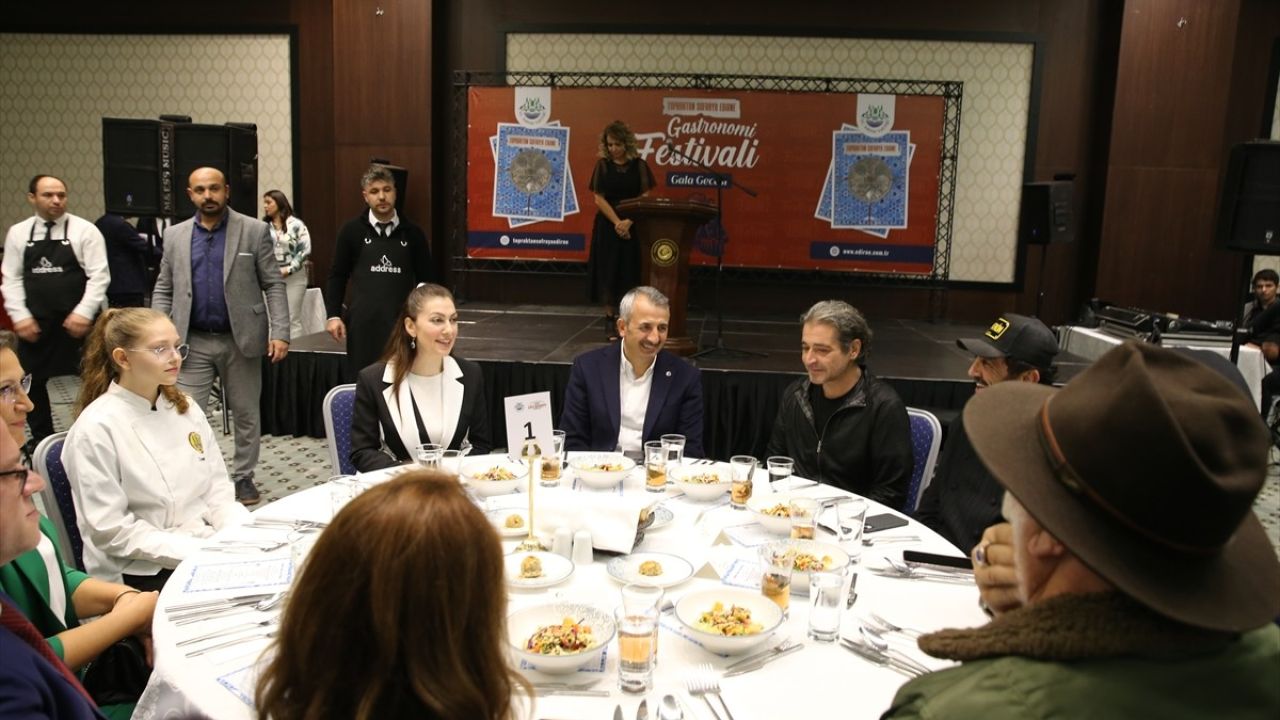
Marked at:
<point>117,328</point>
<point>392,618</point>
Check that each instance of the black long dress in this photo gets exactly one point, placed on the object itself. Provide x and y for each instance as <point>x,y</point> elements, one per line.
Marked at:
<point>613,266</point>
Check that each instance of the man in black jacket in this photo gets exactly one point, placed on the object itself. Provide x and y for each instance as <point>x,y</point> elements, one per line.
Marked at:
<point>964,498</point>
<point>842,425</point>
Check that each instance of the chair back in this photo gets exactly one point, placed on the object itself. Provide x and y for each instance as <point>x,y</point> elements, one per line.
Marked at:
<point>57,499</point>
<point>926,439</point>
<point>339,408</point>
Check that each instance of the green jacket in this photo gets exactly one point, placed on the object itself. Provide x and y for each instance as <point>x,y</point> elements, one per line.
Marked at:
<point>26,580</point>
<point>1095,656</point>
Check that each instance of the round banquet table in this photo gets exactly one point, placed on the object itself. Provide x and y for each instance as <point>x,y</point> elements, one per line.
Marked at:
<point>822,678</point>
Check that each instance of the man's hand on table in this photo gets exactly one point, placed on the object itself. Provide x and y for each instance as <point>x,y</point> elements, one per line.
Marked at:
<point>993,569</point>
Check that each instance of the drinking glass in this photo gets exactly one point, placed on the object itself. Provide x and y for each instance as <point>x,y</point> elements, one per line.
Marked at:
<point>777,560</point>
<point>674,444</point>
<point>780,468</point>
<point>850,516</point>
<point>342,490</point>
<point>644,599</point>
<point>635,650</point>
<point>741,467</point>
<point>804,517</point>
<point>300,544</point>
<point>825,590</point>
<point>655,466</point>
<point>429,455</point>
<point>551,464</point>
<point>451,461</point>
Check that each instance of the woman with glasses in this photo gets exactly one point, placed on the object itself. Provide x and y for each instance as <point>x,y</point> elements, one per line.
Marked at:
<point>149,481</point>
<point>54,595</point>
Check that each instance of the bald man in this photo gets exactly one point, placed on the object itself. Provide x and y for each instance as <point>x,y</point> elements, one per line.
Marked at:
<point>216,269</point>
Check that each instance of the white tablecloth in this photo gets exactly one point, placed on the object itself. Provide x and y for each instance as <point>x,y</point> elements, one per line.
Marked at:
<point>1092,344</point>
<point>822,679</point>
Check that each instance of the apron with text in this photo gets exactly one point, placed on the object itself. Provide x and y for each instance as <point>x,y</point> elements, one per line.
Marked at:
<point>383,277</point>
<point>54,283</point>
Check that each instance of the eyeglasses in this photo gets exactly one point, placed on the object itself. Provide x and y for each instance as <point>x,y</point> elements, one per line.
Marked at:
<point>9,393</point>
<point>22,474</point>
<point>163,351</point>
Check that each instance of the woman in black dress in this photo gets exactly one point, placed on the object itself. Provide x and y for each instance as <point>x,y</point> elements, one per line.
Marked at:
<point>620,174</point>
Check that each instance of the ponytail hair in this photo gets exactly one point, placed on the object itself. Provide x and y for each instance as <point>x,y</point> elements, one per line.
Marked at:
<point>117,328</point>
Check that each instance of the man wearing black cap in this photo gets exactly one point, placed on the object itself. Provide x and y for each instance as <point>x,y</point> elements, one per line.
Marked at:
<point>1148,584</point>
<point>963,499</point>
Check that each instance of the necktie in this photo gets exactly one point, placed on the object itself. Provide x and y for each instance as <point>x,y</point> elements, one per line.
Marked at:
<point>12,619</point>
<point>48,229</point>
<point>384,229</point>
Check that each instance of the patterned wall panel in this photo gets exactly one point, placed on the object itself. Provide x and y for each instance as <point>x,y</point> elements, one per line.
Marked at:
<point>55,90</point>
<point>993,126</point>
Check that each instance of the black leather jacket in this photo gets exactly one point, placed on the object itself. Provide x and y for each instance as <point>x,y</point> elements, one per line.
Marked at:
<point>865,447</point>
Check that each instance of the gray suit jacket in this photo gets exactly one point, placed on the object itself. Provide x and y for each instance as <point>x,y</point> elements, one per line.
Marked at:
<point>249,269</point>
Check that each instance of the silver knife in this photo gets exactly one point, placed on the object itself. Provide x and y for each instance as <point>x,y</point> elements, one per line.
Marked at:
<point>764,661</point>
<point>753,659</point>
<point>573,693</point>
<point>617,712</point>
<point>853,596</point>
<point>642,712</point>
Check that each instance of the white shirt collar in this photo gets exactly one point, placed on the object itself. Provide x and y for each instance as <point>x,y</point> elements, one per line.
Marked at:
<point>395,220</point>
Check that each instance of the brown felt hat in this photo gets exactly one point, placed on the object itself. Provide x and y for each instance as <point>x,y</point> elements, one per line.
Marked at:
<point>1146,467</point>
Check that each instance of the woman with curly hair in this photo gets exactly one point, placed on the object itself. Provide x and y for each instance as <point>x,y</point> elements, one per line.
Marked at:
<point>148,479</point>
<point>613,266</point>
<point>414,623</point>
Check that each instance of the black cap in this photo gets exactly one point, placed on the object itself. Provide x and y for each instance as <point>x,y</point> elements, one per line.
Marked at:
<point>1022,338</point>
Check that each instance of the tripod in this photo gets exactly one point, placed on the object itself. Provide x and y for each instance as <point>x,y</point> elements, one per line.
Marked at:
<point>722,179</point>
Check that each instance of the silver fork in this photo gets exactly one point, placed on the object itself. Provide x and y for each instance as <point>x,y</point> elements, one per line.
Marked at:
<point>696,686</point>
<point>711,685</point>
<point>878,619</point>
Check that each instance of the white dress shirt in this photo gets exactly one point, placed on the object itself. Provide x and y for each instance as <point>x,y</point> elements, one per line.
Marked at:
<point>395,221</point>
<point>633,402</point>
<point>87,244</point>
<point>149,485</point>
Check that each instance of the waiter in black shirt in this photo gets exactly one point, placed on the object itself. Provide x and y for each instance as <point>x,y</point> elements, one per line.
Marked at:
<point>384,257</point>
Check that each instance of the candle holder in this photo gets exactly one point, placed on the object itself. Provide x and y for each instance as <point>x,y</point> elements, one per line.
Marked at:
<point>531,453</point>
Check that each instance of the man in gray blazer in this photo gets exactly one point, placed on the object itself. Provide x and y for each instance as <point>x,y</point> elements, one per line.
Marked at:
<point>216,268</point>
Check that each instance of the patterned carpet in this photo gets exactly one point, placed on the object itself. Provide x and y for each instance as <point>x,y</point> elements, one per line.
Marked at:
<point>288,464</point>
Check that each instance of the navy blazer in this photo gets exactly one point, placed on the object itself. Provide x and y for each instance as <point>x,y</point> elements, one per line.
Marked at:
<point>32,688</point>
<point>593,406</point>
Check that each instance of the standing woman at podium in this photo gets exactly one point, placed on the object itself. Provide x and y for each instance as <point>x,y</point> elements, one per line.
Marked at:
<point>613,267</point>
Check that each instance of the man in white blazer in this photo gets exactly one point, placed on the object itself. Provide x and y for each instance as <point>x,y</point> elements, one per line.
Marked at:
<point>216,268</point>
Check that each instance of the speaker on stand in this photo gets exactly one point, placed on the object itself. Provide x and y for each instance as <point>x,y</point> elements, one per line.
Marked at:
<point>1044,218</point>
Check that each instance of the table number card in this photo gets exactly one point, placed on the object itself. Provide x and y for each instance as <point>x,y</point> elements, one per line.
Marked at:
<point>529,416</point>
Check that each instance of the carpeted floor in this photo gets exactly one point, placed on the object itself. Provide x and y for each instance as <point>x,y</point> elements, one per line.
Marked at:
<point>288,464</point>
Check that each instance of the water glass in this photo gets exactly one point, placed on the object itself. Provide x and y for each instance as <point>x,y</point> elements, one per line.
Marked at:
<point>741,467</point>
<point>451,461</point>
<point>636,651</point>
<point>554,461</point>
<point>300,543</point>
<point>655,466</point>
<point>429,455</point>
<point>825,590</point>
<point>342,490</point>
<point>777,560</point>
<point>851,514</point>
<point>804,517</point>
<point>780,468</point>
<point>674,444</point>
<point>644,599</point>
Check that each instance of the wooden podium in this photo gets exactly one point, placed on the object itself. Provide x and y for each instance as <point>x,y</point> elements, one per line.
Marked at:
<point>666,229</point>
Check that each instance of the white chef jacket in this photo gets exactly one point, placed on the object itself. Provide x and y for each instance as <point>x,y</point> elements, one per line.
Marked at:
<point>87,244</point>
<point>150,484</point>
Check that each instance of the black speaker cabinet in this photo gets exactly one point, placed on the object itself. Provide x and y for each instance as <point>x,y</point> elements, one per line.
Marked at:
<point>1045,216</point>
<point>1249,207</point>
<point>137,164</point>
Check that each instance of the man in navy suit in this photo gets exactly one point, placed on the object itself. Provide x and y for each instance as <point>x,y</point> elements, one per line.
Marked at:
<point>622,395</point>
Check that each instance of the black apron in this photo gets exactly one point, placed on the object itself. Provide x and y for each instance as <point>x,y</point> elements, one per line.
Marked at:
<point>54,283</point>
<point>383,277</point>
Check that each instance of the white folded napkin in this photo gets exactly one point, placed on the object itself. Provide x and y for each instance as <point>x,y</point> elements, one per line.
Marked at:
<point>611,519</point>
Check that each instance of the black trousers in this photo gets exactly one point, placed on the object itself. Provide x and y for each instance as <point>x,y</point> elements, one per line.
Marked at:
<point>40,419</point>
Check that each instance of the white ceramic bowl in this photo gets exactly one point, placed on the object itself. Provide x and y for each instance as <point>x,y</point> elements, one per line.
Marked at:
<point>776,524</point>
<point>702,492</point>
<point>585,464</point>
<point>521,625</point>
<point>763,610</point>
<point>800,578</point>
<point>472,468</point>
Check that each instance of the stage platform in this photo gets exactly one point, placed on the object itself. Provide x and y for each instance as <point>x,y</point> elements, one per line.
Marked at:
<point>528,348</point>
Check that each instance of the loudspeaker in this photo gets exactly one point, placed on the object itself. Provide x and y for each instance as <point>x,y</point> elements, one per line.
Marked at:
<point>1249,205</point>
<point>401,176</point>
<point>1045,216</point>
<point>137,164</point>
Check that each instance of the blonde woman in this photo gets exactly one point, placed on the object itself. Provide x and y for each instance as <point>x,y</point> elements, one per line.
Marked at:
<point>149,481</point>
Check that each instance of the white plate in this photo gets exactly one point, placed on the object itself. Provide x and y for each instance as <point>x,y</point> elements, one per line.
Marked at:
<point>626,569</point>
<point>555,569</point>
<point>661,516</point>
<point>498,517</point>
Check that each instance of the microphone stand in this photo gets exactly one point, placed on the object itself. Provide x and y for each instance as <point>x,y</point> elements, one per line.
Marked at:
<point>721,180</point>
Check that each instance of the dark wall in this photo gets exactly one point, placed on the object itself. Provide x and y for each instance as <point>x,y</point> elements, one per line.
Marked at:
<point>1077,48</point>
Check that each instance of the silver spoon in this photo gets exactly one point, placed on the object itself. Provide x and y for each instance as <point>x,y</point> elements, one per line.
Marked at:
<point>670,709</point>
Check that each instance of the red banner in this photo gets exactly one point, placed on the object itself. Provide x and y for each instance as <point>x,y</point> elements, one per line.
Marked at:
<point>814,160</point>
